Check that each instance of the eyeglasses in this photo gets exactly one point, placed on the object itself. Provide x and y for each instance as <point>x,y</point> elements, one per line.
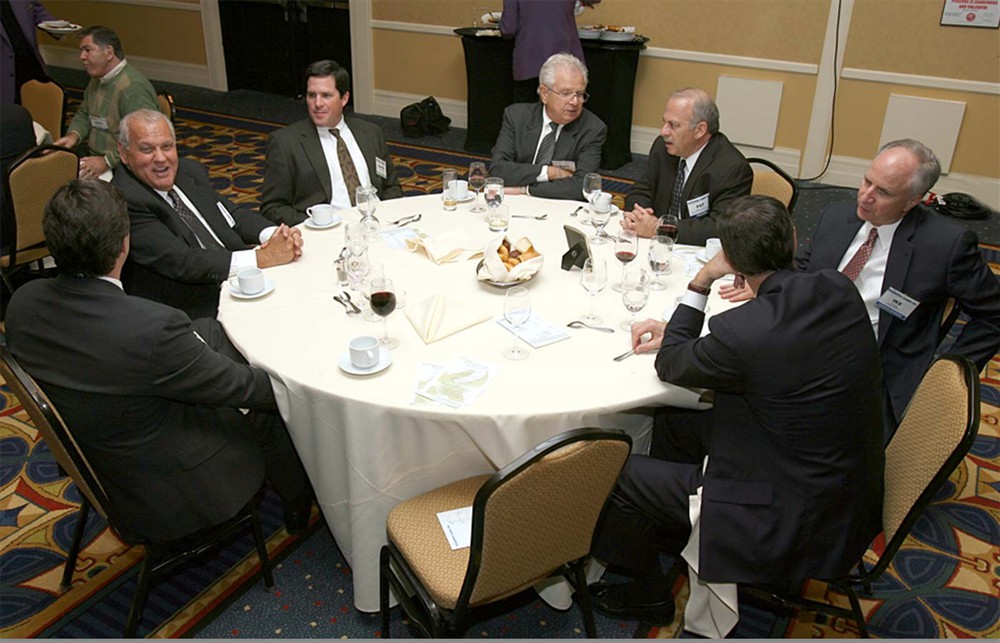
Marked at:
<point>583,97</point>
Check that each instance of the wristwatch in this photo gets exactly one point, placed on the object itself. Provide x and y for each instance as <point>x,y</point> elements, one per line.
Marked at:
<point>701,290</point>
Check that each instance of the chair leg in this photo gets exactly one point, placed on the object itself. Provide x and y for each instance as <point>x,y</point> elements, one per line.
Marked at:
<point>859,617</point>
<point>74,547</point>
<point>581,591</point>
<point>383,589</point>
<point>258,537</point>
<point>141,592</point>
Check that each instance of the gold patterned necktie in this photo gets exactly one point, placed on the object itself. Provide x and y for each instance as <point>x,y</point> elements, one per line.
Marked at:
<point>860,258</point>
<point>199,230</point>
<point>347,169</point>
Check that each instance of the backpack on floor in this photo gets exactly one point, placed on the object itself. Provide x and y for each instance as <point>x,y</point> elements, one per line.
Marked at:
<point>425,117</point>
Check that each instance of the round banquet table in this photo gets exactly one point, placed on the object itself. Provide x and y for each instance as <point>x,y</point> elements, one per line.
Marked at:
<point>367,442</point>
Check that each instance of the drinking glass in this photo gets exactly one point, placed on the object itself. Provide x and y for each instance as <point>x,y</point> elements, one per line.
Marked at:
<point>516,310</point>
<point>661,247</point>
<point>357,266</point>
<point>626,247</point>
<point>375,271</point>
<point>591,188</point>
<point>366,197</point>
<point>667,226</point>
<point>493,192</point>
<point>356,238</point>
<point>477,179</point>
<point>383,301</point>
<point>635,294</point>
<point>449,198</point>
<point>593,279</point>
<point>600,214</point>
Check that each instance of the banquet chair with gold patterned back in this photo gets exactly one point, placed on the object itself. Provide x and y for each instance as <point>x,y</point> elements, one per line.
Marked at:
<point>533,519</point>
<point>936,432</point>
<point>165,103</point>
<point>161,556</point>
<point>47,103</point>
<point>771,180</point>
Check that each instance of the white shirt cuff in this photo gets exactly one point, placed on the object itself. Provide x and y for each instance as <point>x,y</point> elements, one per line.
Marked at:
<point>266,233</point>
<point>242,259</point>
<point>543,176</point>
<point>694,300</point>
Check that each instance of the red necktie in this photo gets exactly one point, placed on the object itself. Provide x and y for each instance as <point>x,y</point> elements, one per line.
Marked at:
<point>860,258</point>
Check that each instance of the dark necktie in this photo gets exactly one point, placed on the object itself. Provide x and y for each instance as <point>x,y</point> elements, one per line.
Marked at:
<point>347,169</point>
<point>544,155</point>
<point>201,233</point>
<point>860,258</point>
<point>677,197</point>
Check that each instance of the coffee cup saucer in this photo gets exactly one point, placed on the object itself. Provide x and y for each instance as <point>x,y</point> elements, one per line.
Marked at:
<point>236,293</point>
<point>309,223</point>
<point>470,196</point>
<point>384,360</point>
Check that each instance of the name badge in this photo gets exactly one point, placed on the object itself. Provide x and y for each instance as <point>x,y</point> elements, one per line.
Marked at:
<point>225,214</point>
<point>897,304</point>
<point>380,167</point>
<point>698,206</point>
<point>99,122</point>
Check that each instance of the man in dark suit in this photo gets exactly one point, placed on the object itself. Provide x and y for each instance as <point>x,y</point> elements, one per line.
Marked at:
<point>546,150</point>
<point>714,173</point>
<point>19,47</point>
<point>325,158</point>
<point>792,486</point>
<point>915,253</point>
<point>186,238</point>
<point>17,136</point>
<point>153,400</point>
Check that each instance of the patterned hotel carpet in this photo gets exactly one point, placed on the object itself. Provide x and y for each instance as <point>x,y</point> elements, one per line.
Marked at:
<point>944,582</point>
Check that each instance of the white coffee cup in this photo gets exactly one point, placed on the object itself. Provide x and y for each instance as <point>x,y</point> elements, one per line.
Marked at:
<point>321,213</point>
<point>364,351</point>
<point>248,281</point>
<point>712,247</point>
<point>460,189</point>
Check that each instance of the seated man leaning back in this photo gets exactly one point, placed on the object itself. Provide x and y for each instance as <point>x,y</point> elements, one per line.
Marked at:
<point>545,150</point>
<point>186,238</point>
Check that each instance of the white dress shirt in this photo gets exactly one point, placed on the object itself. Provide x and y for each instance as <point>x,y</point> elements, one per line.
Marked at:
<point>240,258</point>
<point>340,199</point>
<point>869,282</point>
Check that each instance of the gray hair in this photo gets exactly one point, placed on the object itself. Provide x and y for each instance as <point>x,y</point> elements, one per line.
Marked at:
<point>562,60</point>
<point>703,108</point>
<point>144,115</point>
<point>928,166</point>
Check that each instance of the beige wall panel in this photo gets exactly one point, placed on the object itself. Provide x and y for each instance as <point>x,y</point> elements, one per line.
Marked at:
<point>418,63</point>
<point>657,78</point>
<point>906,36</point>
<point>151,32</point>
<point>756,28</point>
<point>861,109</point>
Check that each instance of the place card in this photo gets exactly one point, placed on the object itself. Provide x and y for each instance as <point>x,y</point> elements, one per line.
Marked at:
<point>457,527</point>
<point>454,384</point>
<point>536,331</point>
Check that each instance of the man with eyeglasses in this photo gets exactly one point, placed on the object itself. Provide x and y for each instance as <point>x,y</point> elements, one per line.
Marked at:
<point>546,150</point>
<point>693,171</point>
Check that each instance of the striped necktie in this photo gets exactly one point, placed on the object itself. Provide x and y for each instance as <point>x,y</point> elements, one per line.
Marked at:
<point>544,155</point>
<point>347,168</point>
<point>677,195</point>
<point>201,233</point>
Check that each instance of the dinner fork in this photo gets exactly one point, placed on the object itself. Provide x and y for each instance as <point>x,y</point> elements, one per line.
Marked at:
<point>540,217</point>
<point>345,304</point>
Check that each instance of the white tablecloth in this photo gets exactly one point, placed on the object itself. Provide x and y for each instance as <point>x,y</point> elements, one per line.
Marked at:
<point>363,441</point>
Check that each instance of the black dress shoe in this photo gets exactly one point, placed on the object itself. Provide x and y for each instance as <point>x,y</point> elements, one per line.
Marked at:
<point>297,514</point>
<point>652,605</point>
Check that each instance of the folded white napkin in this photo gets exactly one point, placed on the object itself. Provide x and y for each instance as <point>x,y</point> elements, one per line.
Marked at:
<point>493,268</point>
<point>439,316</point>
<point>449,246</point>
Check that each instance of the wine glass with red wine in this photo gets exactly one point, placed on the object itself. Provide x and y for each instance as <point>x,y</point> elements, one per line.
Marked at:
<point>626,247</point>
<point>382,299</point>
<point>667,226</point>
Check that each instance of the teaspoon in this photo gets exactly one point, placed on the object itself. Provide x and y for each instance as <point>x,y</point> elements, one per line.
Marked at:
<point>580,324</point>
<point>540,217</point>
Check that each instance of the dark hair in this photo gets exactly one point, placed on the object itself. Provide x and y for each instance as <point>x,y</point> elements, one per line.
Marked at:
<point>104,37</point>
<point>85,224</point>
<point>324,68</point>
<point>757,235</point>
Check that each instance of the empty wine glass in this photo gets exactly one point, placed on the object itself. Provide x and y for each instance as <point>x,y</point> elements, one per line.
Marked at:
<point>366,197</point>
<point>477,179</point>
<point>357,266</point>
<point>383,301</point>
<point>661,247</point>
<point>516,310</point>
<point>593,279</point>
<point>356,238</point>
<point>591,188</point>
<point>599,216</point>
<point>635,294</point>
<point>667,226</point>
<point>626,247</point>
<point>493,192</point>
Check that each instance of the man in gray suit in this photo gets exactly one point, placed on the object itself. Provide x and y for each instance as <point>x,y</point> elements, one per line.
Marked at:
<point>546,150</point>
<point>325,158</point>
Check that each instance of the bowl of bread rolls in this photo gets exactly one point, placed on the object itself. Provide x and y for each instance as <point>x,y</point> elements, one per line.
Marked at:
<point>507,264</point>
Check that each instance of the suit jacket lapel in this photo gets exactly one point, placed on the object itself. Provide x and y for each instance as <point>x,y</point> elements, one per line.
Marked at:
<point>208,207</point>
<point>317,159</point>
<point>704,160</point>
<point>827,253</point>
<point>566,142</point>
<point>897,264</point>
<point>534,130</point>
<point>367,146</point>
<point>163,210</point>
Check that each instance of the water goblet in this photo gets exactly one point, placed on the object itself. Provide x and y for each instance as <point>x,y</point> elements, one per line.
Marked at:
<point>661,247</point>
<point>477,180</point>
<point>493,192</point>
<point>599,217</point>
<point>366,197</point>
<point>383,301</point>
<point>626,248</point>
<point>591,188</point>
<point>593,278</point>
<point>667,226</point>
<point>635,294</point>
<point>516,310</point>
<point>357,266</point>
<point>356,238</point>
